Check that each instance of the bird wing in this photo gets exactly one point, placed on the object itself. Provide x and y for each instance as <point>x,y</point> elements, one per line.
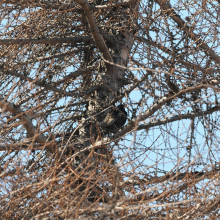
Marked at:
<point>109,120</point>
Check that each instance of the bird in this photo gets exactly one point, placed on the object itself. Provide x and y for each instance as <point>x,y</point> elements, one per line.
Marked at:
<point>115,119</point>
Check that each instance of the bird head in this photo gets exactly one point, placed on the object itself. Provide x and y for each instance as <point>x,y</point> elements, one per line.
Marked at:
<point>121,106</point>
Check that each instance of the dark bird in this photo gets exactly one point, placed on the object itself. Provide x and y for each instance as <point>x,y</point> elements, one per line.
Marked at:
<point>115,119</point>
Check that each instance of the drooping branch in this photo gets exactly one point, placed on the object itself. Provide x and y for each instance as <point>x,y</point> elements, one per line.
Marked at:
<point>185,63</point>
<point>27,123</point>
<point>165,6</point>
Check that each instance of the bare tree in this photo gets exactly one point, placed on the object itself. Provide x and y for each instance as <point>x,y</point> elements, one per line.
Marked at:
<point>73,73</point>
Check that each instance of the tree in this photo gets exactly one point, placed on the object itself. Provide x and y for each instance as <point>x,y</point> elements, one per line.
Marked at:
<point>65,66</point>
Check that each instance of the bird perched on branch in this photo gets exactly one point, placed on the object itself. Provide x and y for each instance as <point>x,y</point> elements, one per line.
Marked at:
<point>115,119</point>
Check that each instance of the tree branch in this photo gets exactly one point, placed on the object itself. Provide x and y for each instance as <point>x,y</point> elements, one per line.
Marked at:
<point>52,41</point>
<point>188,64</point>
<point>18,147</point>
<point>165,5</point>
<point>129,127</point>
<point>41,83</point>
<point>27,123</point>
<point>95,30</point>
<point>179,117</point>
